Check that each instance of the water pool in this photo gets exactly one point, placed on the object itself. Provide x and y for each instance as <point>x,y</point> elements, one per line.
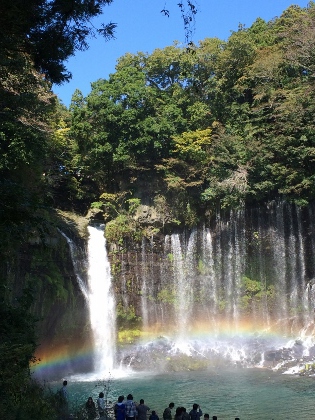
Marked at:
<point>251,394</point>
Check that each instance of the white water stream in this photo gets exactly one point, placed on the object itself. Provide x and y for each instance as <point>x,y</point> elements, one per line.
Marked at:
<point>101,302</point>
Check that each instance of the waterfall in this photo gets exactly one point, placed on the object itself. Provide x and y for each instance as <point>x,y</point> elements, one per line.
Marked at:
<point>225,289</point>
<point>76,261</point>
<point>209,286</point>
<point>228,267</point>
<point>292,252</point>
<point>302,268</point>
<point>184,278</point>
<point>101,302</point>
<point>261,271</point>
<point>144,288</point>
<point>280,261</point>
<point>97,291</point>
<point>233,265</point>
<point>180,286</point>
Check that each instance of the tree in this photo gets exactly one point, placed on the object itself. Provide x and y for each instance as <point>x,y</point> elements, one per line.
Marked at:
<point>50,31</point>
<point>39,157</point>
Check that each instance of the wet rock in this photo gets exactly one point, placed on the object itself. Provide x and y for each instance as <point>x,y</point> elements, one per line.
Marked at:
<point>148,216</point>
<point>95,215</point>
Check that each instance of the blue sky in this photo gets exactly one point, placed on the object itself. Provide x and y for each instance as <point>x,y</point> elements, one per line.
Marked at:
<point>141,27</point>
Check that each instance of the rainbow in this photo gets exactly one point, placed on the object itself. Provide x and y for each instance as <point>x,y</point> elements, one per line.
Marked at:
<point>223,328</point>
<point>61,362</point>
<point>64,361</point>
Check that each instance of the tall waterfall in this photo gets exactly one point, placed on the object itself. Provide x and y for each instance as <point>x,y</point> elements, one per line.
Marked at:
<point>98,293</point>
<point>101,302</point>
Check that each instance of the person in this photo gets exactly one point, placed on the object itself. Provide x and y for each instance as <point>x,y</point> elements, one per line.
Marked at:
<point>185,415</point>
<point>131,410</point>
<point>90,409</point>
<point>120,409</point>
<point>63,395</point>
<point>206,416</point>
<point>154,416</point>
<point>101,404</point>
<point>214,418</point>
<point>178,413</point>
<point>142,410</point>
<point>63,390</point>
<point>194,414</point>
<point>167,414</point>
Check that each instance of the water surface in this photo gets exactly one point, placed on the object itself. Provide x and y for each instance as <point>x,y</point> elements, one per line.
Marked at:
<point>251,394</point>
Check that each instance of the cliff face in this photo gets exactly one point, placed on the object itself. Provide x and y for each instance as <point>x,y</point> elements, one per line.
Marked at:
<point>45,264</point>
<point>254,265</point>
<point>251,268</point>
<point>221,288</point>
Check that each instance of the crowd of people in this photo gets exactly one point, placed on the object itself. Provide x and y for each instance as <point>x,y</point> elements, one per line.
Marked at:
<point>128,409</point>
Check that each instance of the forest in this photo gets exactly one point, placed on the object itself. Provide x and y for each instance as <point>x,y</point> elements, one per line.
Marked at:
<point>184,129</point>
<point>227,122</point>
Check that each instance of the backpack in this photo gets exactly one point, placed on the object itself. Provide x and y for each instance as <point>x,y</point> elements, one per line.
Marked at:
<point>130,409</point>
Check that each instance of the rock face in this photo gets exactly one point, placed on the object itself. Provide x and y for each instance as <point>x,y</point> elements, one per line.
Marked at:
<point>251,267</point>
<point>45,261</point>
<point>148,216</point>
<point>95,215</point>
<point>246,264</point>
<point>64,324</point>
<point>240,268</point>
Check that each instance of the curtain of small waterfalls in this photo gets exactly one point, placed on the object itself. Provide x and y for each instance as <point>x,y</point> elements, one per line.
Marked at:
<point>238,287</point>
<point>248,274</point>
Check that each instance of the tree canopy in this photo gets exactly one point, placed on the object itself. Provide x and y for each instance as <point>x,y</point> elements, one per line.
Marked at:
<point>227,122</point>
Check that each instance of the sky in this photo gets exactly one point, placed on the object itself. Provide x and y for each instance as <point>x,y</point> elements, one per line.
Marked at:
<point>142,27</point>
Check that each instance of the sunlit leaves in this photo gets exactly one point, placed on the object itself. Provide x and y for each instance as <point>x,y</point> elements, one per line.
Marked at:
<point>193,146</point>
<point>154,114</point>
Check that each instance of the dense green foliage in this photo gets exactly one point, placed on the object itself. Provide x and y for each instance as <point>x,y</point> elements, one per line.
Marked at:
<point>50,31</point>
<point>223,122</point>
